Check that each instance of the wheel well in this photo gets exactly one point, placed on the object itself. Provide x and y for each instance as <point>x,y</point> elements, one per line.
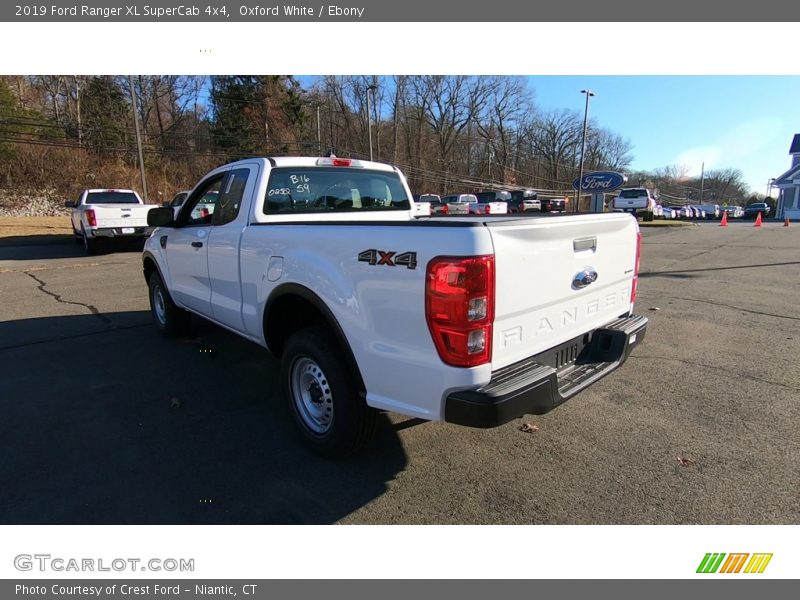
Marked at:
<point>285,316</point>
<point>290,312</point>
<point>149,266</point>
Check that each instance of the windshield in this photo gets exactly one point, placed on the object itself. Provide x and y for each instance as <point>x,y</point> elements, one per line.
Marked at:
<point>329,189</point>
<point>111,198</point>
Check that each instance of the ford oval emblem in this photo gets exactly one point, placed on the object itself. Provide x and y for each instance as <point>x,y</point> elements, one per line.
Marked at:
<point>600,181</point>
<point>584,278</point>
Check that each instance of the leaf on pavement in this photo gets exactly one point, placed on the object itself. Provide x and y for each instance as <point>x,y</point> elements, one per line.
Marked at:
<point>685,461</point>
<point>528,428</point>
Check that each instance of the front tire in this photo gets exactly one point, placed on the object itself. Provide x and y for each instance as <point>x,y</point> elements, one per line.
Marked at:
<point>170,320</point>
<point>332,416</point>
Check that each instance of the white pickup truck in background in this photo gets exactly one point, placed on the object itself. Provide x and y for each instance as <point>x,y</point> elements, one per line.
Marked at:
<point>474,321</point>
<point>108,214</point>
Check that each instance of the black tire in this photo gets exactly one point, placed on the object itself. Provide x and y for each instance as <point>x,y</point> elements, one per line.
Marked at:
<point>648,216</point>
<point>170,320</point>
<point>89,244</point>
<point>331,414</point>
<point>76,237</point>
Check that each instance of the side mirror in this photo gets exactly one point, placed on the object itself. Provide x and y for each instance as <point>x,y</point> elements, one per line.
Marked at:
<point>160,217</point>
<point>69,204</point>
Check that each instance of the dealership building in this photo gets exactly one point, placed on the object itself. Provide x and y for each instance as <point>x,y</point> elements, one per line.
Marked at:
<point>788,185</point>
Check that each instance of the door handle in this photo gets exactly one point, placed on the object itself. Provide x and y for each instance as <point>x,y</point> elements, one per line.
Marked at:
<point>197,244</point>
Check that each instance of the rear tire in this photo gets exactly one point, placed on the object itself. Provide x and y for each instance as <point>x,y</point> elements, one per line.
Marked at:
<point>170,320</point>
<point>332,416</point>
<point>648,216</point>
<point>89,244</point>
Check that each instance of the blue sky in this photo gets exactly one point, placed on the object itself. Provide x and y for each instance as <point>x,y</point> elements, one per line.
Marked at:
<point>744,122</point>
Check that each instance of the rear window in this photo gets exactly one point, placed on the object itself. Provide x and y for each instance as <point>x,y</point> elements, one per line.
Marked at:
<point>333,189</point>
<point>633,193</point>
<point>111,198</point>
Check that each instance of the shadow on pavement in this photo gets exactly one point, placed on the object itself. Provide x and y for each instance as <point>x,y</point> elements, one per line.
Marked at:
<point>683,273</point>
<point>44,247</point>
<point>107,422</point>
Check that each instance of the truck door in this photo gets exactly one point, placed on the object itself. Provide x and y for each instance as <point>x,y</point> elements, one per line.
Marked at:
<point>187,247</point>
<point>223,245</point>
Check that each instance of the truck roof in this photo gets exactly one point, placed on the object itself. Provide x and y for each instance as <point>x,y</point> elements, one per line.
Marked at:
<point>314,161</point>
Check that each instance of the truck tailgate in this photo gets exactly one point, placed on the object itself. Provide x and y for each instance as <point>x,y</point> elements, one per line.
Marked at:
<point>121,215</point>
<point>543,296</point>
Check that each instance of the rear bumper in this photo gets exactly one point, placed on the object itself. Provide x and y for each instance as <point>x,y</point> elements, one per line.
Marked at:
<point>538,384</point>
<point>120,232</point>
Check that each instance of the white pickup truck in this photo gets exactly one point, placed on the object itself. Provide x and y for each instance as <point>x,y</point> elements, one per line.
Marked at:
<point>108,214</point>
<point>474,321</point>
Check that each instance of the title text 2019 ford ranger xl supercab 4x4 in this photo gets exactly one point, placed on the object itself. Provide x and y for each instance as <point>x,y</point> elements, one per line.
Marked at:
<point>473,320</point>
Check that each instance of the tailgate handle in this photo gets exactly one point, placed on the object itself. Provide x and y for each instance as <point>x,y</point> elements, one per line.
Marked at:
<point>582,244</point>
<point>197,244</point>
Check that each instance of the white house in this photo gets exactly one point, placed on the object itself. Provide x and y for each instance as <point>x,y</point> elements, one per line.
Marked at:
<point>789,185</point>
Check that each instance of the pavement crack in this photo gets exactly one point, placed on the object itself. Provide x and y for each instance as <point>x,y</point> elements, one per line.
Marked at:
<point>91,308</point>
<point>714,368</point>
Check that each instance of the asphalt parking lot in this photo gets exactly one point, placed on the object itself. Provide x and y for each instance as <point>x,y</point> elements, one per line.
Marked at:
<point>103,421</point>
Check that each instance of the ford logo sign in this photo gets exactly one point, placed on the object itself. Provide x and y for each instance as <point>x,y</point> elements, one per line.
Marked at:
<point>584,278</point>
<point>600,181</point>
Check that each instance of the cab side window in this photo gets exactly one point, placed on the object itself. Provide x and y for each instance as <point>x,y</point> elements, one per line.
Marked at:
<point>200,207</point>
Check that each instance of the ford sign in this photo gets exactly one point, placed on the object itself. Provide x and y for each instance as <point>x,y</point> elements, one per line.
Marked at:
<point>601,181</point>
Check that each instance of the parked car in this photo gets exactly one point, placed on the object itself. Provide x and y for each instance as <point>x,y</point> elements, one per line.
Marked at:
<point>490,203</point>
<point>370,309</point>
<point>668,213</point>
<point>712,210</point>
<point>752,210</point>
<point>458,204</point>
<point>106,214</point>
<point>554,205</point>
<point>524,201</point>
<point>638,201</point>
<point>177,201</point>
<point>658,212</point>
<point>734,211</point>
<point>435,201</point>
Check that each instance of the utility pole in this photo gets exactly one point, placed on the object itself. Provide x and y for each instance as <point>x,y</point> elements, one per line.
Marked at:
<point>370,89</point>
<point>702,179</point>
<point>138,136</point>
<point>319,135</point>
<point>589,94</point>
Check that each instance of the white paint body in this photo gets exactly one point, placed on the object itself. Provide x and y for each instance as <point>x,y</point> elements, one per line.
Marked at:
<point>381,309</point>
<point>110,216</point>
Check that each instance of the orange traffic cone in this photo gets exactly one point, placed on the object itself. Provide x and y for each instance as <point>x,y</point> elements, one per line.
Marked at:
<point>724,222</point>
<point>786,222</point>
<point>758,221</point>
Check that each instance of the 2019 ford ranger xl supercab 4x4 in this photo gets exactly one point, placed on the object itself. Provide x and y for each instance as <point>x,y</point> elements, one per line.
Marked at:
<point>472,320</point>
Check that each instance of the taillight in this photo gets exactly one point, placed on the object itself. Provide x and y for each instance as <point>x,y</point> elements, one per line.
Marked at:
<point>486,210</point>
<point>91,219</point>
<point>459,308</point>
<point>635,284</point>
<point>444,209</point>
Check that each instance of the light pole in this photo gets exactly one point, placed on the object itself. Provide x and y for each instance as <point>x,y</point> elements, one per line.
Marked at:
<point>769,187</point>
<point>589,94</point>
<point>370,89</point>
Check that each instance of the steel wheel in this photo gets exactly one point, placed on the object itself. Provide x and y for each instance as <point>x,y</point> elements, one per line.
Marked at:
<point>311,394</point>
<point>159,305</point>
